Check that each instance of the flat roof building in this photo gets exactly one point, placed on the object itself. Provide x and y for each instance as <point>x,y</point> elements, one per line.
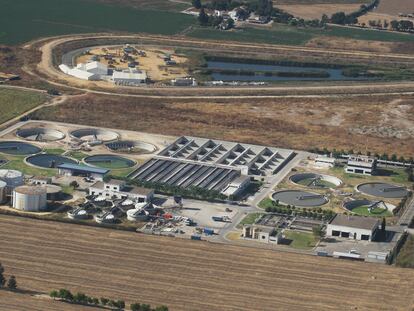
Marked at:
<point>120,190</point>
<point>353,227</point>
<point>68,169</point>
<point>361,165</point>
<point>129,77</point>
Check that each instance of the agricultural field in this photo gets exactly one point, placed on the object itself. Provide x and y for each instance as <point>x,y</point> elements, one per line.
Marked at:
<point>13,103</point>
<point>162,5</point>
<point>48,255</point>
<point>315,11</point>
<point>17,301</point>
<point>25,20</point>
<point>394,7</point>
<point>298,123</point>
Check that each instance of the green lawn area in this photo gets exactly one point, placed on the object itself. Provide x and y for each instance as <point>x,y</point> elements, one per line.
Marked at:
<point>13,103</point>
<point>376,212</point>
<point>301,240</point>
<point>77,155</point>
<point>121,173</point>
<point>56,151</point>
<point>405,258</point>
<point>395,175</point>
<point>249,219</point>
<point>24,20</point>
<point>267,202</point>
<point>283,34</point>
<point>17,163</point>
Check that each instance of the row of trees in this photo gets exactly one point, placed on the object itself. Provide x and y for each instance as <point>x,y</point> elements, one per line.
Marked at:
<point>191,192</point>
<point>11,283</point>
<point>80,298</point>
<point>402,25</point>
<point>341,18</point>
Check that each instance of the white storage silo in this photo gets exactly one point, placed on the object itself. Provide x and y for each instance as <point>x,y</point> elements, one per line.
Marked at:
<point>12,178</point>
<point>30,198</point>
<point>3,186</point>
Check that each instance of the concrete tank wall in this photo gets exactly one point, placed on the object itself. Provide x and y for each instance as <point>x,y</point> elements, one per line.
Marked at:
<point>3,186</point>
<point>30,199</point>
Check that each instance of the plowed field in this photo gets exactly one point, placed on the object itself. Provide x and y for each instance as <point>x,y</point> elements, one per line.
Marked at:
<point>190,275</point>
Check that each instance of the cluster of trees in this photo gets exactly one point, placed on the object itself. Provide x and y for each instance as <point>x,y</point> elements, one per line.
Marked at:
<point>340,18</point>
<point>315,213</point>
<point>11,283</point>
<point>379,23</point>
<point>216,21</point>
<point>403,25</point>
<point>318,231</point>
<point>81,298</point>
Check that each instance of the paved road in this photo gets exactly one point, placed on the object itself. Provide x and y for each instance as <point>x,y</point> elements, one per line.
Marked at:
<point>405,218</point>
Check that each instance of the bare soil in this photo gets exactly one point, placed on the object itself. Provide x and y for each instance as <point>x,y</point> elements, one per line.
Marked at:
<point>192,275</point>
<point>358,123</point>
<point>393,7</point>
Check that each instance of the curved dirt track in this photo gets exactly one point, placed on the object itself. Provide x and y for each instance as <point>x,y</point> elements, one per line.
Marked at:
<point>190,275</point>
<point>55,76</point>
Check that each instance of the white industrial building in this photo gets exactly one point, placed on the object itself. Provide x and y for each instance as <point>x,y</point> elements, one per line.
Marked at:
<point>184,82</point>
<point>92,71</point>
<point>353,227</point>
<point>68,169</point>
<point>237,186</point>
<point>95,68</point>
<point>120,190</point>
<point>361,165</point>
<point>130,77</point>
<point>30,198</point>
<point>263,234</point>
<point>323,161</point>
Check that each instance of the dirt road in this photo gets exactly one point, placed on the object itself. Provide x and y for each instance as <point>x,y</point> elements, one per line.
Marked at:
<point>191,275</point>
<point>58,78</point>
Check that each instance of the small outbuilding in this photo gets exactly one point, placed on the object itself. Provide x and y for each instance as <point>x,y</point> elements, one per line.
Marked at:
<point>353,227</point>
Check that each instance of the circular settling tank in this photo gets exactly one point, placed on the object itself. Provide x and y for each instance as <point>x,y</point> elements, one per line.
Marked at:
<point>365,207</point>
<point>40,134</point>
<point>131,146</point>
<point>314,180</point>
<point>383,190</point>
<point>299,198</point>
<point>93,134</point>
<point>109,161</point>
<point>49,160</point>
<point>18,148</point>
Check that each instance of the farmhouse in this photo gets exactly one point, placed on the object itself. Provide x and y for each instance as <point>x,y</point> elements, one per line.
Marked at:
<point>120,190</point>
<point>353,227</point>
<point>361,165</point>
<point>67,169</point>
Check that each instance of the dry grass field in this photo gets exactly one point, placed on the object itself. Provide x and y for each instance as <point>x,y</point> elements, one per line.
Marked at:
<point>312,11</point>
<point>393,7</point>
<point>358,123</point>
<point>190,275</point>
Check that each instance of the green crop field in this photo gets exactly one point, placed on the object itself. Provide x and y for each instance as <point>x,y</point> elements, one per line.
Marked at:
<point>300,240</point>
<point>13,103</point>
<point>24,20</point>
<point>282,34</point>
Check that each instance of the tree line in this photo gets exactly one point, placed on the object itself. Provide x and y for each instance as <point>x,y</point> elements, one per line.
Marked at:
<point>83,299</point>
<point>10,284</point>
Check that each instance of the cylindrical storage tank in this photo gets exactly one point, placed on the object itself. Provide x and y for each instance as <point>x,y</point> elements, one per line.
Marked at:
<point>30,198</point>
<point>3,186</point>
<point>54,192</point>
<point>12,178</point>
